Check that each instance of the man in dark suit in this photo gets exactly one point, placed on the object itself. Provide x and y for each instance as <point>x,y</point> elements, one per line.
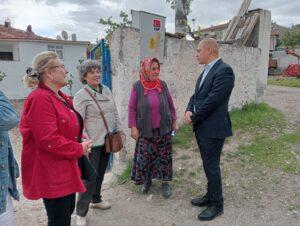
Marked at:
<point>207,111</point>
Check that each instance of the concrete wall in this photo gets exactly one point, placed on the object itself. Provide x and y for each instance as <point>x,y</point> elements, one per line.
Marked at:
<point>264,32</point>
<point>12,85</point>
<point>179,69</point>
<point>283,59</point>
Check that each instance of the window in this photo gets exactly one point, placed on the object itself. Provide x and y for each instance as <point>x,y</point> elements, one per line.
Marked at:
<point>57,49</point>
<point>6,52</point>
<point>6,56</point>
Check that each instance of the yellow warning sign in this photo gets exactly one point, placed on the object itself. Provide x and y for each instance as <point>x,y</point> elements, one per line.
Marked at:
<point>152,43</point>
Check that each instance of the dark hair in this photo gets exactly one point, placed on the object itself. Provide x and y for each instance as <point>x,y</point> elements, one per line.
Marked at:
<point>155,60</point>
<point>85,67</point>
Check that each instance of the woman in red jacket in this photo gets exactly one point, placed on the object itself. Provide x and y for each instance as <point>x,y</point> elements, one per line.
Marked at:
<point>50,128</point>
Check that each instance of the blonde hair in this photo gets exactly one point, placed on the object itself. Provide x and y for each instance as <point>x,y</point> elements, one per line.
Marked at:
<point>35,75</point>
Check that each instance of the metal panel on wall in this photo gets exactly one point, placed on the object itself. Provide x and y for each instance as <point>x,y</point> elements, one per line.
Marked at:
<point>152,29</point>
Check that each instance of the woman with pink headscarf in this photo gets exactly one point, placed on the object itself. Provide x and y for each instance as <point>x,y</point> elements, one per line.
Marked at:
<point>152,117</point>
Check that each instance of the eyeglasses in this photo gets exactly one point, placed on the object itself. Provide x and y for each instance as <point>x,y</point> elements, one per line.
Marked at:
<point>61,66</point>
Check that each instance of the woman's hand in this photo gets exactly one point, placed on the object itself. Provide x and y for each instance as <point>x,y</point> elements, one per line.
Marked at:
<point>134,133</point>
<point>175,126</point>
<point>86,145</point>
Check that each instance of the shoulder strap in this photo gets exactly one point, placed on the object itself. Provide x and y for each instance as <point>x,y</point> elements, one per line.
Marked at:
<point>101,112</point>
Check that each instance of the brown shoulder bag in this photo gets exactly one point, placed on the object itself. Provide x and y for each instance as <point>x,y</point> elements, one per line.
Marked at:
<point>113,141</point>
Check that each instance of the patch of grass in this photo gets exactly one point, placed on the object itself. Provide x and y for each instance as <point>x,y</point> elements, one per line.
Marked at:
<point>192,174</point>
<point>294,207</point>
<point>184,157</point>
<point>126,174</point>
<point>257,116</point>
<point>183,137</point>
<point>192,190</point>
<point>230,155</point>
<point>274,153</point>
<point>289,82</point>
<point>291,138</point>
<point>276,180</point>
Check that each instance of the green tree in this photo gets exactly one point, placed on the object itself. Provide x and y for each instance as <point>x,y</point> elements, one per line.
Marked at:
<point>187,5</point>
<point>2,75</point>
<point>291,38</point>
<point>296,27</point>
<point>112,25</point>
<point>70,84</point>
<point>182,10</point>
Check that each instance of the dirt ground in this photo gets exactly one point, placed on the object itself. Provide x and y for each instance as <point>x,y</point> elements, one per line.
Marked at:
<point>253,195</point>
<point>287,100</point>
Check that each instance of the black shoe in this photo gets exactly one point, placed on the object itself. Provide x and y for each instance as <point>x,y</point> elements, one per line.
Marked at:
<point>210,213</point>
<point>166,190</point>
<point>200,201</point>
<point>146,186</point>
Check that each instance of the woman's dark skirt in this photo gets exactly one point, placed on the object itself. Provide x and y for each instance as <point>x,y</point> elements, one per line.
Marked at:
<point>153,158</point>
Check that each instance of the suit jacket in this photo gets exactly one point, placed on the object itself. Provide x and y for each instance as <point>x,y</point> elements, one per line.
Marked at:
<point>209,104</point>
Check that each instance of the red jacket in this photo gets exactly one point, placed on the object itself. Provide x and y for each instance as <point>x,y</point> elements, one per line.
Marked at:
<point>50,148</point>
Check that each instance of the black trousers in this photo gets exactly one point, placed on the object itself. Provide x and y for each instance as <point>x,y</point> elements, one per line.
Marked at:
<point>99,158</point>
<point>59,210</point>
<point>210,150</point>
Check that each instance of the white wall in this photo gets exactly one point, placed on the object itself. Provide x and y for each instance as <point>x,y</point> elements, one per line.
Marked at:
<point>179,69</point>
<point>283,59</point>
<point>264,46</point>
<point>12,85</point>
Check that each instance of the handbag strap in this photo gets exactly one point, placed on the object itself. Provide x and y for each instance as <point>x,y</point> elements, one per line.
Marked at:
<point>101,112</point>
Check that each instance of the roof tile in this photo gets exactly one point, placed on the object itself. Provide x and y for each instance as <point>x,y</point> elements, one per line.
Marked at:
<point>13,33</point>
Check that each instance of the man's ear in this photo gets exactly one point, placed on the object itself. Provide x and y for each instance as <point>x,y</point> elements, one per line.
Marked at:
<point>210,50</point>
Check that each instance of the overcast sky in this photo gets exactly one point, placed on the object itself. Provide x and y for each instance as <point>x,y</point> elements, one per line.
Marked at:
<point>49,17</point>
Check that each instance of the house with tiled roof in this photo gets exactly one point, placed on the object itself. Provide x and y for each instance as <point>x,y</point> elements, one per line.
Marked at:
<point>216,31</point>
<point>18,48</point>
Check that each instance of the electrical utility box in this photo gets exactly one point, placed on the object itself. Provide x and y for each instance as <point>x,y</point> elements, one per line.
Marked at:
<point>152,29</point>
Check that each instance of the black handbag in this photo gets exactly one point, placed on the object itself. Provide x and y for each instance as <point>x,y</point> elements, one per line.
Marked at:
<point>88,172</point>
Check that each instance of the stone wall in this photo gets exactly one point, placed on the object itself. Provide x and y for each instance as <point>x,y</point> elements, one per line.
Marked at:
<point>179,69</point>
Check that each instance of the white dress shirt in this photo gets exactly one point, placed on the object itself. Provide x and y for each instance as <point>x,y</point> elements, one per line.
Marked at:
<point>207,68</point>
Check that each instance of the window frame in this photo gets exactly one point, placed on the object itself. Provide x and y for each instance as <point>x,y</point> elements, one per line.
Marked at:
<point>58,49</point>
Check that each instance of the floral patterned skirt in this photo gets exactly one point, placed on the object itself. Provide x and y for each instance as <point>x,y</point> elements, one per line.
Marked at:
<point>153,158</point>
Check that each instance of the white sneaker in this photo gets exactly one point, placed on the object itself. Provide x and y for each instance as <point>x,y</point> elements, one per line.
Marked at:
<point>80,221</point>
<point>101,205</point>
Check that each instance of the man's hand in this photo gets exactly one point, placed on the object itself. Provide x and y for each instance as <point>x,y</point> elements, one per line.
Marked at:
<point>134,133</point>
<point>187,117</point>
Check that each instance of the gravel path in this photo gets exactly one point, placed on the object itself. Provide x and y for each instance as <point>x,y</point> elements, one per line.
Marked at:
<point>287,100</point>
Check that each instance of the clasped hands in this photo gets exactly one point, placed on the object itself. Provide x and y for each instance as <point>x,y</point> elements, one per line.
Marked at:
<point>86,145</point>
<point>135,132</point>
